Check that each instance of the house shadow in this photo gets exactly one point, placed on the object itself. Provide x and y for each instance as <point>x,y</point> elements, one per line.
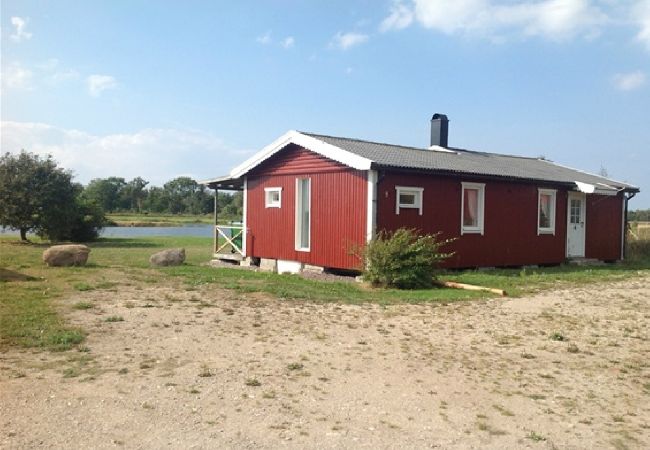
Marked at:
<point>10,275</point>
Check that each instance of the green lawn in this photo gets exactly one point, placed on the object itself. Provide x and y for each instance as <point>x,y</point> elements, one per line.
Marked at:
<point>159,219</point>
<point>30,313</point>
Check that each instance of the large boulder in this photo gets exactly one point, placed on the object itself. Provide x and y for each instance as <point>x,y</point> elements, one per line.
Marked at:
<point>170,257</point>
<point>66,255</point>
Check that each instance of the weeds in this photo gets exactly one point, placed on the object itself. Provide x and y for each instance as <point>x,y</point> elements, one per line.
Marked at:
<point>114,319</point>
<point>533,436</point>
<point>83,305</point>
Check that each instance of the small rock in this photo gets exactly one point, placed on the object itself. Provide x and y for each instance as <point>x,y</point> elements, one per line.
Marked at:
<point>66,255</point>
<point>170,257</point>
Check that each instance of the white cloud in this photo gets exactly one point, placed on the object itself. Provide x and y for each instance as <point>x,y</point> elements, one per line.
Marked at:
<point>551,19</point>
<point>63,75</point>
<point>641,13</point>
<point>629,81</point>
<point>48,65</point>
<point>265,39</point>
<point>156,154</point>
<point>344,41</point>
<point>15,76</point>
<point>288,42</point>
<point>400,17</point>
<point>99,83</point>
<point>20,34</point>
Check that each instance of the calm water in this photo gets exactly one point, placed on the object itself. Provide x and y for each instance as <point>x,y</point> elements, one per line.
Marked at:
<point>133,232</point>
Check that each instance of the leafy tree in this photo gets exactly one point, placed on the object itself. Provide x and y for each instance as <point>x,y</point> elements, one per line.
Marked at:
<point>641,215</point>
<point>134,194</point>
<point>36,195</point>
<point>185,196</point>
<point>155,200</point>
<point>106,192</point>
<point>230,206</point>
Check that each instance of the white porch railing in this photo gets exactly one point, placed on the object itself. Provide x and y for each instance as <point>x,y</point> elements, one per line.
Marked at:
<point>234,237</point>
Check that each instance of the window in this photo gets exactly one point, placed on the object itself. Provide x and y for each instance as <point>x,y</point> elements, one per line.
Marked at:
<point>408,197</point>
<point>546,211</point>
<point>272,197</point>
<point>472,208</point>
<point>303,211</point>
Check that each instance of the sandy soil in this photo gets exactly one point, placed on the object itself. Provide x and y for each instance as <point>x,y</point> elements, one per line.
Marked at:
<point>210,368</point>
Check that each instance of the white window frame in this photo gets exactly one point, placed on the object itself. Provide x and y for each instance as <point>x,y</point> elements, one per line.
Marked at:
<point>298,236</point>
<point>553,194</point>
<point>479,229</point>
<point>268,201</point>
<point>408,190</point>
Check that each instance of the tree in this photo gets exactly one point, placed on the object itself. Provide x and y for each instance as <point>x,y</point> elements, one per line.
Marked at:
<point>185,196</point>
<point>106,192</point>
<point>37,195</point>
<point>134,194</point>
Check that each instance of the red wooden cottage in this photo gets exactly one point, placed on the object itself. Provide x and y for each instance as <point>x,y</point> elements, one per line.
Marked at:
<point>311,199</point>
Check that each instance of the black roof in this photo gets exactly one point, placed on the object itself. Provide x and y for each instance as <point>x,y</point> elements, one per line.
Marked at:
<point>456,160</point>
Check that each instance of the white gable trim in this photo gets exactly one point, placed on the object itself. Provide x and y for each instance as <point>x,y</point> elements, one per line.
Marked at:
<point>310,143</point>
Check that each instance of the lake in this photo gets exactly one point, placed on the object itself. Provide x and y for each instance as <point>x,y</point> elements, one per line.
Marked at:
<point>199,230</point>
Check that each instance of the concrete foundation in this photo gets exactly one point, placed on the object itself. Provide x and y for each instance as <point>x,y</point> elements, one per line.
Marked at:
<point>268,265</point>
<point>288,266</point>
<point>313,269</point>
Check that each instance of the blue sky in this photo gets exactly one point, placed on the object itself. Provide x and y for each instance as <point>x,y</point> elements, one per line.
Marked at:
<point>162,89</point>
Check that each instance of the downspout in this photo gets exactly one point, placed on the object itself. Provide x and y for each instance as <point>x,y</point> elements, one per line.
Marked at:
<point>628,197</point>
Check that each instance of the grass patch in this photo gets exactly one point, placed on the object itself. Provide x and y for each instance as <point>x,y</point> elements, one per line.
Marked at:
<point>83,305</point>
<point>557,336</point>
<point>114,319</point>
<point>253,382</point>
<point>29,314</point>
<point>159,219</point>
<point>82,287</point>
<point>533,436</point>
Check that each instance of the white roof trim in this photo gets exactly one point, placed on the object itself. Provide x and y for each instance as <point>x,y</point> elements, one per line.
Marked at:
<point>310,143</point>
<point>585,187</point>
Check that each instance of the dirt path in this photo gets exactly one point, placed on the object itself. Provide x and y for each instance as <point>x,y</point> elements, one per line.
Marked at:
<point>211,368</point>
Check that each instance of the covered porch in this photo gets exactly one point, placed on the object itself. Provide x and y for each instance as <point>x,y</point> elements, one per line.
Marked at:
<point>229,242</point>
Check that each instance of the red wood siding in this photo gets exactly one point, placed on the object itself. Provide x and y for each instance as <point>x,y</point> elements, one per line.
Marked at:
<point>338,210</point>
<point>604,224</point>
<point>510,231</point>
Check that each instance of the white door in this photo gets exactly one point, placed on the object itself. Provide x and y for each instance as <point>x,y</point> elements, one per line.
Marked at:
<point>575,235</point>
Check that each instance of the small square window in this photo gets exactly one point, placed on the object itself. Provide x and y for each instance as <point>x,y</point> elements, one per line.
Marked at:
<point>472,210</point>
<point>408,197</point>
<point>546,211</point>
<point>273,197</point>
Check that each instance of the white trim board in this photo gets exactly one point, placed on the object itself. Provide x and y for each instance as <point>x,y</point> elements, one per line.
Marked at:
<point>480,228</point>
<point>371,219</point>
<point>310,143</point>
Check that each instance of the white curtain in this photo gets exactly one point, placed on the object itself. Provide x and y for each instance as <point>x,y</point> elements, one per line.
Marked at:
<point>545,211</point>
<point>470,216</point>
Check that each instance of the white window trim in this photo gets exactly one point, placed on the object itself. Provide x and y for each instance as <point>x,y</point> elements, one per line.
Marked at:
<point>371,212</point>
<point>408,189</point>
<point>272,204</point>
<point>297,214</point>
<point>553,194</point>
<point>481,209</point>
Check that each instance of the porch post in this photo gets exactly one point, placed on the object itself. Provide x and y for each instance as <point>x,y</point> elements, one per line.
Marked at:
<point>216,221</point>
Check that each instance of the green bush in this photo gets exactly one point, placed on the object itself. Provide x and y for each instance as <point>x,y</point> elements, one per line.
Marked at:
<point>403,259</point>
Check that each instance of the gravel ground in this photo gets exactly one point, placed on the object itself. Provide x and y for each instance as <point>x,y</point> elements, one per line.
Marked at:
<point>212,368</point>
